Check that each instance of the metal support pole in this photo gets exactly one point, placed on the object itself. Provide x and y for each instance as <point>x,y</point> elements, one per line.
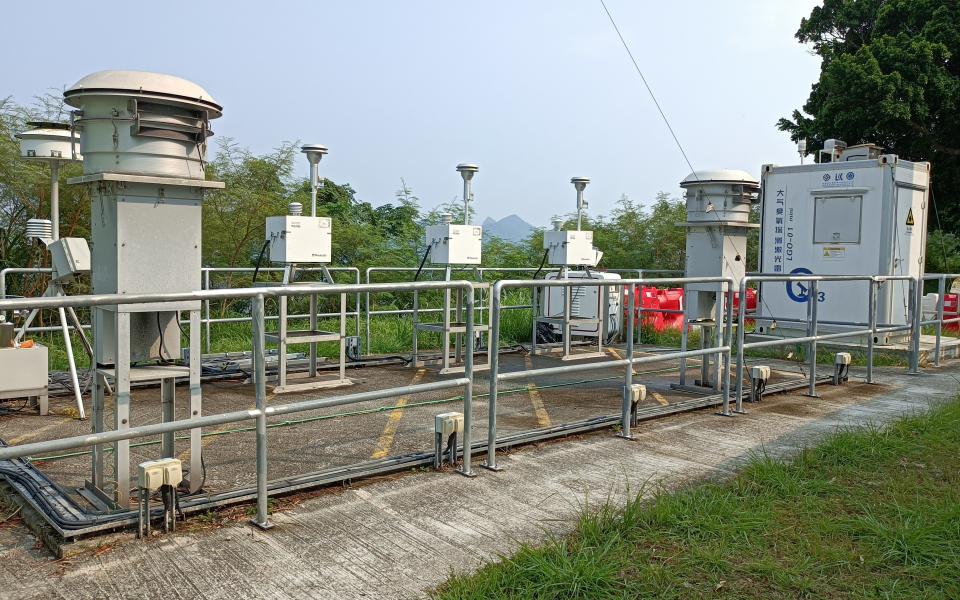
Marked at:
<point>121,453</point>
<point>313,331</point>
<point>872,319</point>
<point>741,319</point>
<point>262,519</point>
<point>366,311</point>
<point>55,198</point>
<point>813,300</point>
<point>71,363</point>
<point>567,300</point>
<point>414,340</point>
<point>196,403</point>
<point>728,342</point>
<point>206,305</point>
<point>494,362</point>
<point>916,315</point>
<point>941,291</point>
<point>628,378</point>
<point>168,400</point>
<point>470,342</point>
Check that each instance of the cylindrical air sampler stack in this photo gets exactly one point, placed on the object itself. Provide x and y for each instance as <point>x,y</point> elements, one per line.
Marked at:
<point>143,139</point>
<point>718,218</point>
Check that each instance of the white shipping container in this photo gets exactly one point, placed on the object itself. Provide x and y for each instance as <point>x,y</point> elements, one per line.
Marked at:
<point>858,217</point>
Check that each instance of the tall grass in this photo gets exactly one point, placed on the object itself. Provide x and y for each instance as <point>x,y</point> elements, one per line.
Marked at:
<point>869,513</point>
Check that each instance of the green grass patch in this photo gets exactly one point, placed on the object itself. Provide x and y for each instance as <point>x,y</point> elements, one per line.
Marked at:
<point>869,513</point>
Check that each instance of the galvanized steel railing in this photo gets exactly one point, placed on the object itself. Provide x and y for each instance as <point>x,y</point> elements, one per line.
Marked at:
<point>722,350</point>
<point>261,412</point>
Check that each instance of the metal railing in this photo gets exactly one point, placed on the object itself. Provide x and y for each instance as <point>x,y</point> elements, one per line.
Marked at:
<point>481,301</point>
<point>939,321</point>
<point>262,412</point>
<point>208,320</point>
<point>812,336</point>
<point>722,349</point>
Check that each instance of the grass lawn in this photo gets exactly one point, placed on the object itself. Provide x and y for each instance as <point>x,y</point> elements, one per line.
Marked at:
<point>869,513</point>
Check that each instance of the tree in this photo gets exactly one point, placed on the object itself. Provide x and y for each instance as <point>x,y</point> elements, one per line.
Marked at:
<point>890,75</point>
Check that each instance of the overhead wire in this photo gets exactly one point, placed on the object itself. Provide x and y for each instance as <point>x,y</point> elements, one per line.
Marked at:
<point>679,145</point>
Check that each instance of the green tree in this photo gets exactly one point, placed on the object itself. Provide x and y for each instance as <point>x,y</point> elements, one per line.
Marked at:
<point>890,75</point>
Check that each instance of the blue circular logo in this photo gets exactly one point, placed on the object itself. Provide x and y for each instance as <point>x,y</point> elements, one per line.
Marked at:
<point>850,175</point>
<point>797,290</point>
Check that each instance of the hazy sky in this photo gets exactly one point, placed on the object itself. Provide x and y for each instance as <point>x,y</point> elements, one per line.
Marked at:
<point>532,91</point>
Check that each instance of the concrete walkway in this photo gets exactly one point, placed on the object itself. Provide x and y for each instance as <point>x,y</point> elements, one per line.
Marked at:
<point>398,537</point>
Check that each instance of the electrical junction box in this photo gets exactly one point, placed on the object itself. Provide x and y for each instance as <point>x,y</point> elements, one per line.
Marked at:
<point>761,372</point>
<point>299,239</point>
<point>446,424</point>
<point>23,370</point>
<point>638,393</point>
<point>843,358</point>
<point>865,214</point>
<point>586,302</point>
<point>571,248</point>
<point>455,244</point>
<point>155,473</point>
<point>70,257</point>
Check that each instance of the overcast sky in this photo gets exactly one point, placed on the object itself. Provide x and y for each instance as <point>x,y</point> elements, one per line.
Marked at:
<point>532,91</point>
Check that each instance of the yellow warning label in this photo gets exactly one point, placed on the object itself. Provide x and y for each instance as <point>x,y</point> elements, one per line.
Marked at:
<point>910,216</point>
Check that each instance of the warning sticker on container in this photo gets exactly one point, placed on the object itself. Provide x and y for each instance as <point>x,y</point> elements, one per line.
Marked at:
<point>910,216</point>
<point>834,252</point>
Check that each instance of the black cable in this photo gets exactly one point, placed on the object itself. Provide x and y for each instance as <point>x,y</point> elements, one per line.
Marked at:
<point>422,262</point>
<point>162,348</point>
<point>256,269</point>
<point>542,262</point>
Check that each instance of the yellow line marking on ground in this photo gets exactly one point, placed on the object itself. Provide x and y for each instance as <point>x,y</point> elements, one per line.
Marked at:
<point>386,438</point>
<point>35,432</point>
<point>616,354</point>
<point>543,418</point>
<point>659,398</point>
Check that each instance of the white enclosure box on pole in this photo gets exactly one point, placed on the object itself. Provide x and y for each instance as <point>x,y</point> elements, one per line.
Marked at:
<point>455,244</point>
<point>299,239</point>
<point>718,219</point>
<point>571,248</point>
<point>863,213</point>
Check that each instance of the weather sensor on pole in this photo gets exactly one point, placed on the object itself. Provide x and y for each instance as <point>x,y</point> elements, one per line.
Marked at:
<point>314,154</point>
<point>583,311</point>
<point>449,244</point>
<point>467,171</point>
<point>295,239</point>
<point>55,143</point>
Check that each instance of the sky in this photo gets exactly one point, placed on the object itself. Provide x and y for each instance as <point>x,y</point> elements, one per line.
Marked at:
<point>532,91</point>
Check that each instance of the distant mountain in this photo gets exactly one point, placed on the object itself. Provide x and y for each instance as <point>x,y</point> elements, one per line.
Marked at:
<point>511,228</point>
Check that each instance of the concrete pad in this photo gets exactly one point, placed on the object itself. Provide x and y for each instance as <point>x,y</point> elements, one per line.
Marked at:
<point>397,537</point>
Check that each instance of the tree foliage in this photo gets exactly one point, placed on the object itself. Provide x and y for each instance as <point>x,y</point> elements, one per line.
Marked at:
<point>25,191</point>
<point>890,75</point>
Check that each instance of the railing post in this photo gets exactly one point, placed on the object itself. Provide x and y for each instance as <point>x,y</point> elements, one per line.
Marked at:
<point>206,306</point>
<point>628,378</point>
<point>872,320</point>
<point>262,519</point>
<point>941,292</point>
<point>916,315</point>
<point>366,310</point>
<point>813,301</point>
<point>741,321</point>
<point>494,362</point>
<point>728,342</point>
<point>468,390</point>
